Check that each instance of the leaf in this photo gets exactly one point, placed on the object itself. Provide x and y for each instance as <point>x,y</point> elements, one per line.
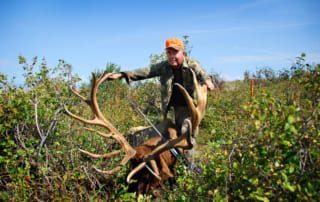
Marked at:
<point>287,143</point>
<point>291,168</point>
<point>290,187</point>
<point>65,177</point>
<point>199,190</point>
<point>262,198</point>
<point>22,59</point>
<point>235,165</point>
<point>254,181</point>
<point>291,119</point>
<point>293,130</point>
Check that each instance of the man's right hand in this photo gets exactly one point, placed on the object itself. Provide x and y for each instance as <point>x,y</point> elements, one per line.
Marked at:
<point>115,76</point>
<point>209,84</point>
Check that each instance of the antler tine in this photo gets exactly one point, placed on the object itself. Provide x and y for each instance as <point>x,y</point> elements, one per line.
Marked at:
<point>108,155</point>
<point>201,92</point>
<point>135,170</point>
<point>108,172</point>
<point>195,115</point>
<point>74,91</point>
<point>93,121</point>
<point>107,135</point>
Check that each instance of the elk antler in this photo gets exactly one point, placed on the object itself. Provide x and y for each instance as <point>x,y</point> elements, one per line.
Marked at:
<point>184,140</point>
<point>197,111</point>
<point>100,120</point>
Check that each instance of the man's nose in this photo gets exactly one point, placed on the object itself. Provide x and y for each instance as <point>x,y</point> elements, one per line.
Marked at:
<point>172,56</point>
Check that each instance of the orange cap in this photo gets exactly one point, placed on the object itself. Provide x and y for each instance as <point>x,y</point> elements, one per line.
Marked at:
<point>174,43</point>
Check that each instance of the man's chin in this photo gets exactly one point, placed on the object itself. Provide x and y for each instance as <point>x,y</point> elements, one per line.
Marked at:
<point>174,65</point>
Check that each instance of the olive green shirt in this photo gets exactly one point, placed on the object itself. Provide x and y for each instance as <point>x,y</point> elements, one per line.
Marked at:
<point>164,71</point>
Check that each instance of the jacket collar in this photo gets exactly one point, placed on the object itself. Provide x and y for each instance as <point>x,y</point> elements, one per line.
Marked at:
<point>185,63</point>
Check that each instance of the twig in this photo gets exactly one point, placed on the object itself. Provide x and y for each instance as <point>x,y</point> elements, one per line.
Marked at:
<point>229,158</point>
<point>230,155</point>
<point>35,103</point>
<point>51,128</point>
<point>93,186</point>
<point>18,139</point>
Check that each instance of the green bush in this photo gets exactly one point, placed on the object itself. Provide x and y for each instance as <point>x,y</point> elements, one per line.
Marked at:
<point>261,148</point>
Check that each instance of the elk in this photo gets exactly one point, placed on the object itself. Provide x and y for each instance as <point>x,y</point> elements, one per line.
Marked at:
<point>154,152</point>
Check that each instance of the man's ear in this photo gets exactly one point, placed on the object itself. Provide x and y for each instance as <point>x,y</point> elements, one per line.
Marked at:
<point>184,53</point>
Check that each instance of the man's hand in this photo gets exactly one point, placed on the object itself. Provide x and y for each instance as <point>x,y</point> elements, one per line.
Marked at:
<point>115,76</point>
<point>209,84</point>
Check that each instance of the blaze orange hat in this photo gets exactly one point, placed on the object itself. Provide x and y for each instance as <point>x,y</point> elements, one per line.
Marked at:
<point>174,43</point>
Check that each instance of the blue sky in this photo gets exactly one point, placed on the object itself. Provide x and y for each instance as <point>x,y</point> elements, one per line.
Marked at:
<point>228,37</point>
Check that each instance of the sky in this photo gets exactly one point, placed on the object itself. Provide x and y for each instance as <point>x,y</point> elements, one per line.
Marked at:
<point>228,37</point>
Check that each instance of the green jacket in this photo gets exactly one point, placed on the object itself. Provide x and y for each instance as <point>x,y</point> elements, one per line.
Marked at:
<point>164,71</point>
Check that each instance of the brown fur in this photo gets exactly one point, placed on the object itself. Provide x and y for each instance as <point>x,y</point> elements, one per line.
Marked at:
<point>144,181</point>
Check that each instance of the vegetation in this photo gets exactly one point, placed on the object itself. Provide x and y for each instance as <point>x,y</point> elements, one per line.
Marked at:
<point>260,148</point>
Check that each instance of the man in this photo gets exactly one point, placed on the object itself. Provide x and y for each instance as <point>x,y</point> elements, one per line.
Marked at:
<point>176,69</point>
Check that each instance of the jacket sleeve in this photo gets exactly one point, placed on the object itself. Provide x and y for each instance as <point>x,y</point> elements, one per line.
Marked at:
<point>202,76</point>
<point>144,73</point>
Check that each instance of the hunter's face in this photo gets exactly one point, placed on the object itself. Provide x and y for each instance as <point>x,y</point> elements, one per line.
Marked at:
<point>175,57</point>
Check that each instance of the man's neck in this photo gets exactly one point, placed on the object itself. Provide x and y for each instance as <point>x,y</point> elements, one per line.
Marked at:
<point>176,67</point>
